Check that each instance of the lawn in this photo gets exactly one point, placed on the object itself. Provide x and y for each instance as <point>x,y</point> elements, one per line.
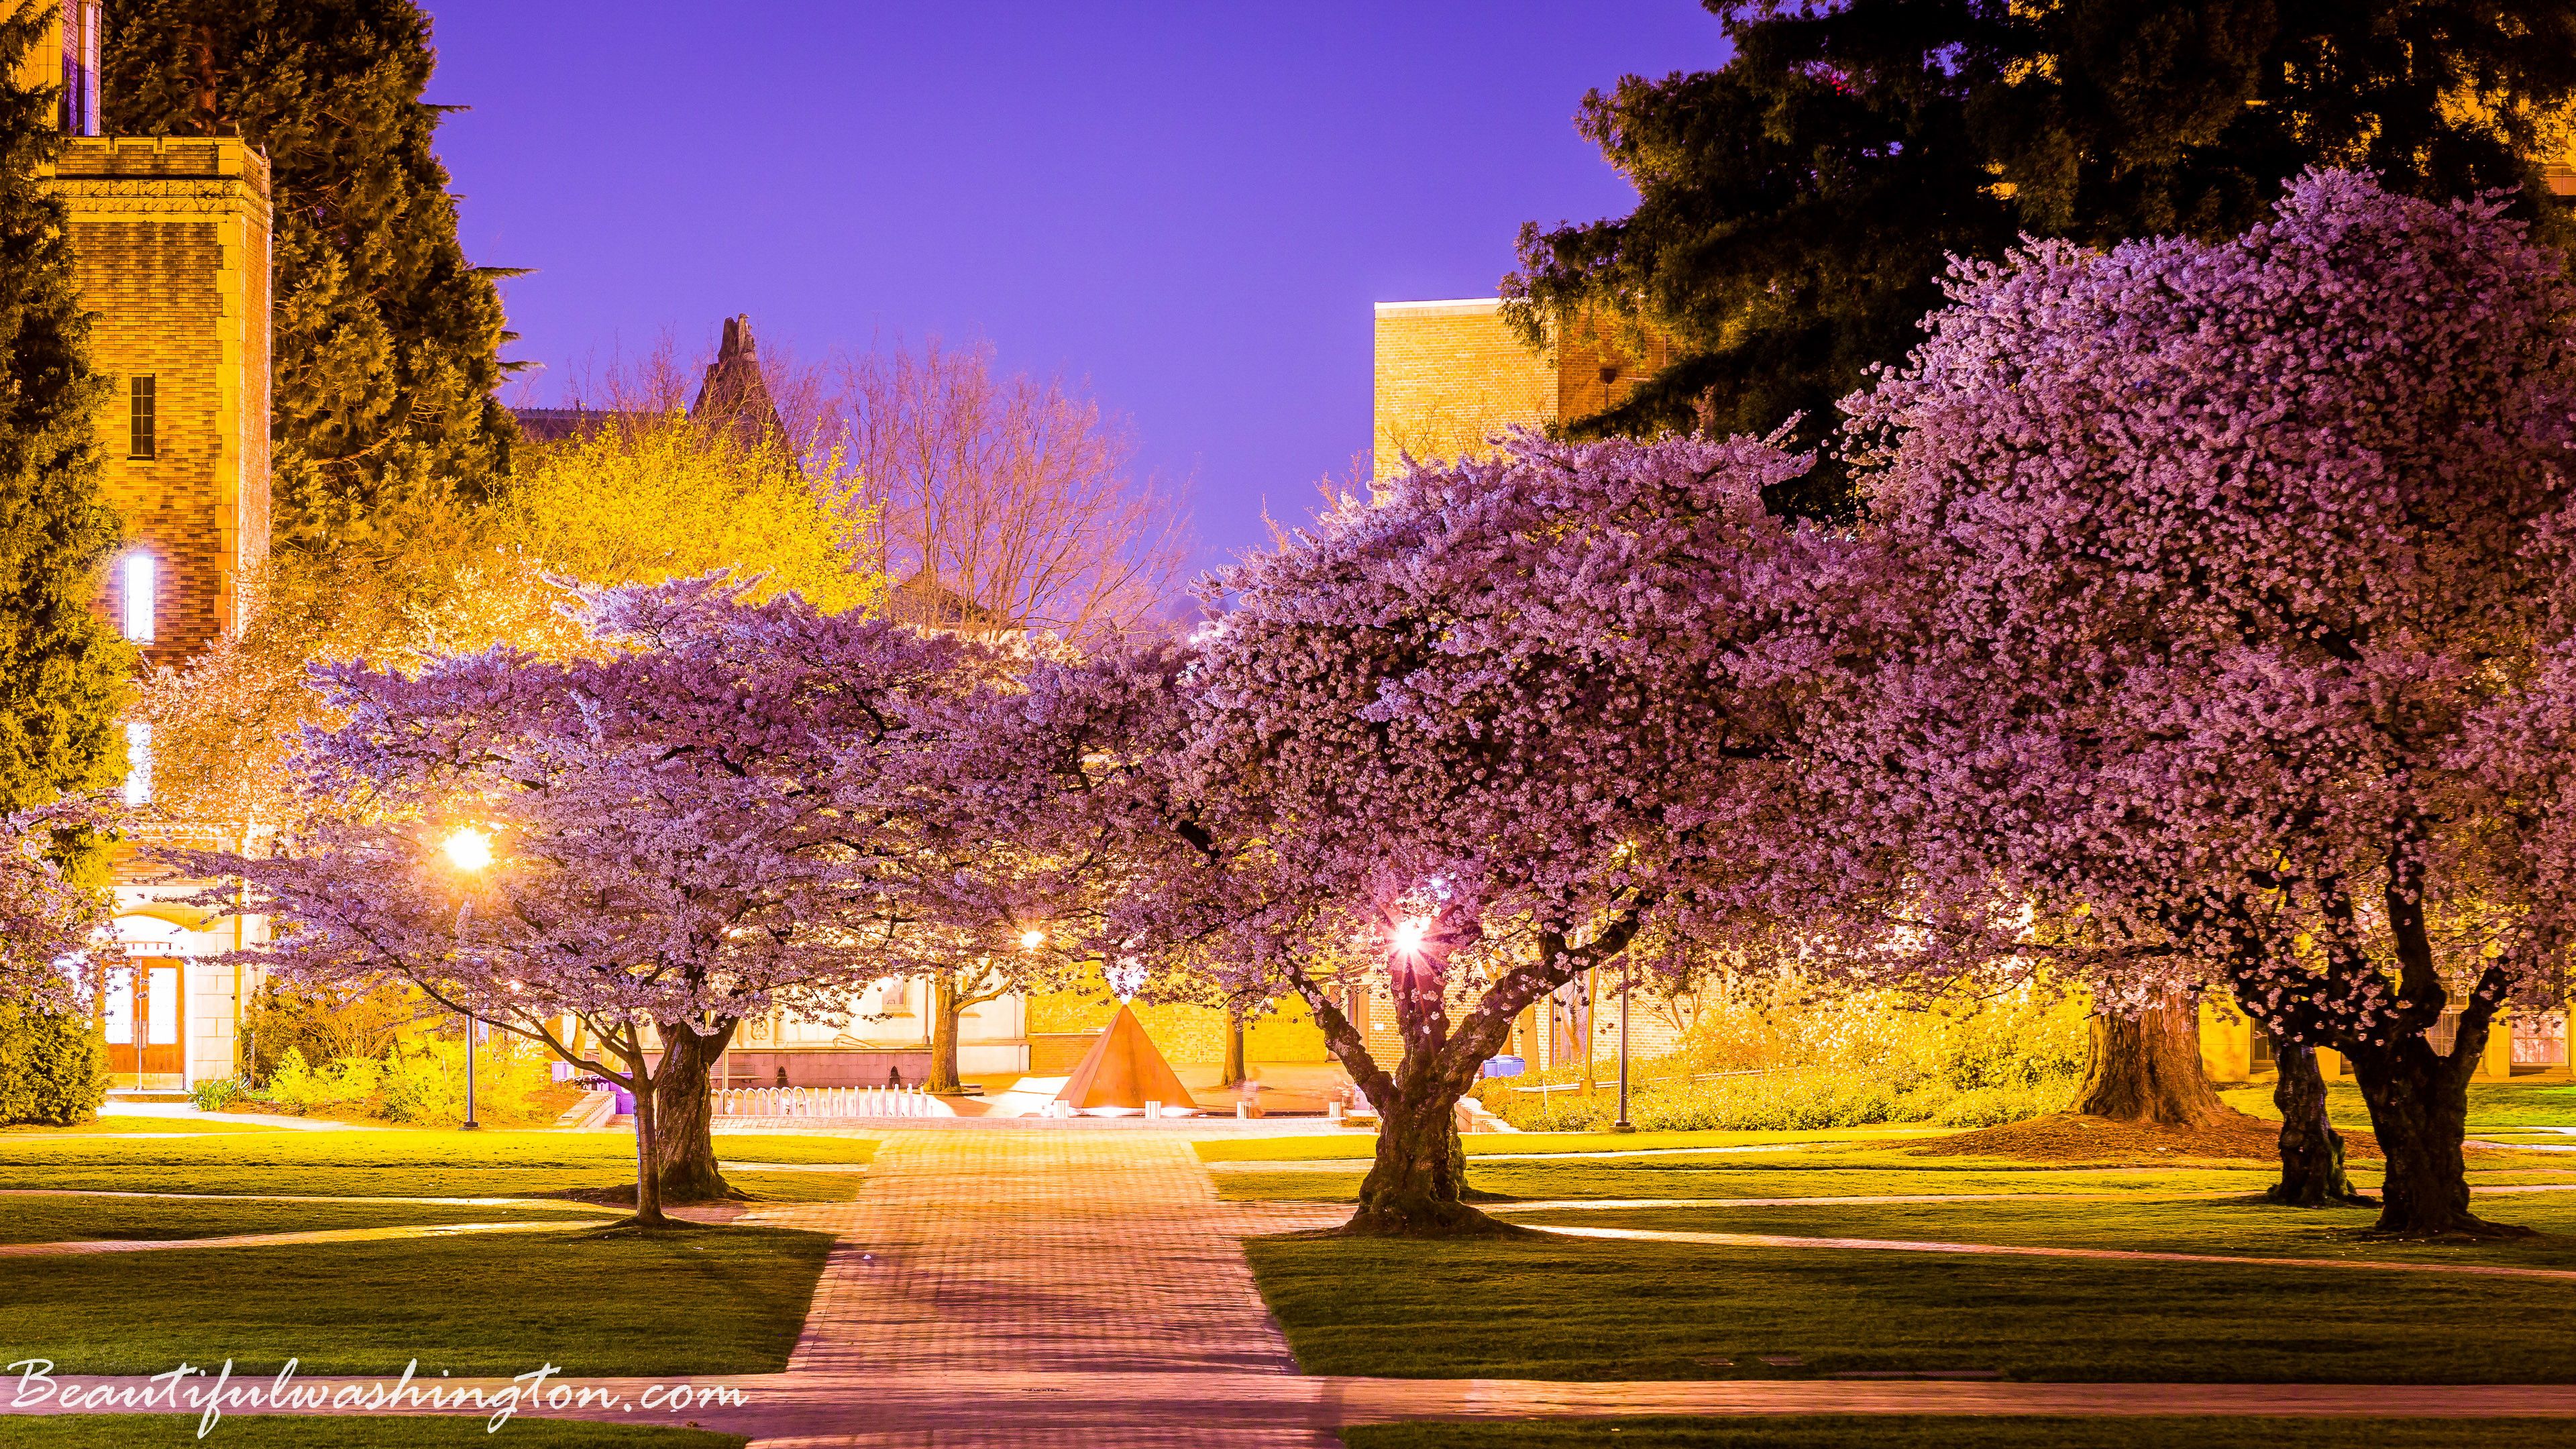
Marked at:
<point>721,1300</point>
<point>1949,1432</point>
<point>1738,1179</point>
<point>1358,1144</point>
<point>124,1126</point>
<point>79,1219</point>
<point>2189,1226</point>
<point>2491,1105</point>
<point>1607,1310</point>
<point>259,1431</point>
<point>401,1163</point>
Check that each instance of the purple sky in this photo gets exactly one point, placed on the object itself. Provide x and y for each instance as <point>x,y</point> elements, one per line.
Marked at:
<point>1191,205</point>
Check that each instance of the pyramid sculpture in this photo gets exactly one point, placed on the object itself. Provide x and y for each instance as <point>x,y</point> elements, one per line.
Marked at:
<point>1122,1069</point>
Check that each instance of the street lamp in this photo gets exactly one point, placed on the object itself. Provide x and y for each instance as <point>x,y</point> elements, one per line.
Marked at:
<point>1623,1124</point>
<point>469,850</point>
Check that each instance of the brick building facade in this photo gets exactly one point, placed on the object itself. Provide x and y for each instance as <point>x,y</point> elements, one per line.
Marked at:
<point>1450,376</point>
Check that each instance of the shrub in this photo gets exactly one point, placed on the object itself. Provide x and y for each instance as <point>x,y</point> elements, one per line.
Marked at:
<point>419,1082</point>
<point>1772,1054</point>
<point>213,1093</point>
<point>321,1024</point>
<point>53,1066</point>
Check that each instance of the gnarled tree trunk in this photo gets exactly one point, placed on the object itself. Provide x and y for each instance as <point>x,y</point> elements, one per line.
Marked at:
<point>2419,1109</point>
<point>2148,1068</point>
<point>2312,1172</point>
<point>684,1114</point>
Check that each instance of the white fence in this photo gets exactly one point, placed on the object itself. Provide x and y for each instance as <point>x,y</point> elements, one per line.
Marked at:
<point>827,1102</point>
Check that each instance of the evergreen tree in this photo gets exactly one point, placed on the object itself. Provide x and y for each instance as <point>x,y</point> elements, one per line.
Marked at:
<point>387,341</point>
<point>62,669</point>
<point>1797,207</point>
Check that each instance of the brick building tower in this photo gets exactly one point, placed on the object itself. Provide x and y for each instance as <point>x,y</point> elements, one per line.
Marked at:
<point>170,249</point>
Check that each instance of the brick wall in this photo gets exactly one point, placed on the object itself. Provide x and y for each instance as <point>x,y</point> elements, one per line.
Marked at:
<point>1449,376</point>
<point>170,242</point>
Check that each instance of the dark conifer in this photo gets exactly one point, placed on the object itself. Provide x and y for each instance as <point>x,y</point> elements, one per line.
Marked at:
<point>387,341</point>
<point>63,670</point>
<point>1796,208</point>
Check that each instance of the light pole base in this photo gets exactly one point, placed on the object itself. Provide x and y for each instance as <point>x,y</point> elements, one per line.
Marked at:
<point>471,1126</point>
<point>1623,1125</point>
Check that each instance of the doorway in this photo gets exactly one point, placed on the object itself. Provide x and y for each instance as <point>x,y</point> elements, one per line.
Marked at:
<point>142,1011</point>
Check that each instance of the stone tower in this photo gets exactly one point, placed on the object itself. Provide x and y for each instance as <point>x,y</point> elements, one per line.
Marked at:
<point>734,393</point>
<point>170,249</point>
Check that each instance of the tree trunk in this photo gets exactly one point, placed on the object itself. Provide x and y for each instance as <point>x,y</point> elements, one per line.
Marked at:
<point>2148,1069</point>
<point>1590,980</point>
<point>2419,1108</point>
<point>1418,1185</point>
<point>944,1013</point>
<point>2312,1172</point>
<point>684,1148</point>
<point>648,1181</point>
<point>1235,1071</point>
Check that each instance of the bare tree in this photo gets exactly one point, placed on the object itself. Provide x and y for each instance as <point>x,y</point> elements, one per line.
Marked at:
<point>1005,502</point>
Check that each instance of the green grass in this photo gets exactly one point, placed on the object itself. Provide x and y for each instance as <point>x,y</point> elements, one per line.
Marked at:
<point>132,1126</point>
<point>2225,1226</point>
<point>1681,1180</point>
<point>725,1300</point>
<point>80,1219</point>
<point>1604,1310</point>
<point>1355,1143</point>
<point>398,1163</point>
<point>1966,1432</point>
<point>266,1431</point>
<point>2491,1105</point>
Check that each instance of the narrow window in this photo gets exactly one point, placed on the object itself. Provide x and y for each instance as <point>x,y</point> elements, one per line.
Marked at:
<point>80,67</point>
<point>138,597</point>
<point>142,437</point>
<point>138,763</point>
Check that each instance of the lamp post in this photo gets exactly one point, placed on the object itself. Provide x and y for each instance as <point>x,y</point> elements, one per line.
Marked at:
<point>1623,1124</point>
<point>469,850</point>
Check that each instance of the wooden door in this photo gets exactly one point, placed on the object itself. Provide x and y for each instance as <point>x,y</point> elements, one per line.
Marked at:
<point>142,1012</point>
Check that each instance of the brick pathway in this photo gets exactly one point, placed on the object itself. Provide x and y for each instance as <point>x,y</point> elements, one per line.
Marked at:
<point>987,1256</point>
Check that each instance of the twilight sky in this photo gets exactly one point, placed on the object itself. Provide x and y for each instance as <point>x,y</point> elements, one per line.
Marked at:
<point>1191,205</point>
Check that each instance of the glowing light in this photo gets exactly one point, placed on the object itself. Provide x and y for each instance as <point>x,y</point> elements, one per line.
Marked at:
<point>1031,940</point>
<point>1409,933</point>
<point>139,597</point>
<point>468,848</point>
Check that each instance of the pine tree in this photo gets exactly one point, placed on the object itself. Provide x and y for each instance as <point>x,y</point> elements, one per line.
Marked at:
<point>387,341</point>
<point>63,671</point>
<point>1796,208</point>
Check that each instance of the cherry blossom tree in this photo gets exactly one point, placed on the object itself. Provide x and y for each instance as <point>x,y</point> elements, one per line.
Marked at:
<point>1474,733</point>
<point>619,856</point>
<point>2214,556</point>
